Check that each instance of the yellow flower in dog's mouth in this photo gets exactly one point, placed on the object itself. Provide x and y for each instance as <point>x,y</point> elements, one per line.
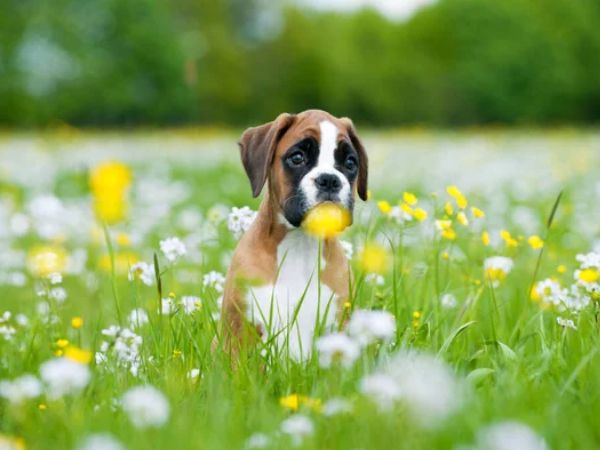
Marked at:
<point>326,220</point>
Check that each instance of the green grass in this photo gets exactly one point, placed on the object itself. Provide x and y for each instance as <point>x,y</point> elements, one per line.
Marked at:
<point>517,363</point>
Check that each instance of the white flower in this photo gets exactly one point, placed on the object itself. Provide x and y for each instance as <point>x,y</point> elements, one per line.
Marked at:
<point>58,293</point>
<point>100,441</point>
<point>22,320</point>
<point>399,215</point>
<point>258,440</point>
<point>190,303</point>
<point>566,323</point>
<point>347,248</point>
<point>142,271</point>
<point>375,279</point>
<point>239,220</point>
<point>7,332</point>
<point>167,306</point>
<point>137,318</point>
<point>193,374</point>
<point>429,388</point>
<point>63,376</point>
<point>55,278</point>
<point>382,389</point>
<point>448,301</point>
<point>367,326</point>
<point>23,388</point>
<point>337,347</point>
<point>172,248</point>
<point>509,436</point>
<point>124,345</point>
<point>336,406</point>
<point>214,279</point>
<point>297,427</point>
<point>146,406</point>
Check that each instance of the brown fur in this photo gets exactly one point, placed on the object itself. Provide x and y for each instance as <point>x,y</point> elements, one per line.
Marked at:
<point>255,258</point>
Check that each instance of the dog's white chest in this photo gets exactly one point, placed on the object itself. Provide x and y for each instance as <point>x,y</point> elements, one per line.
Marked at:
<point>293,308</point>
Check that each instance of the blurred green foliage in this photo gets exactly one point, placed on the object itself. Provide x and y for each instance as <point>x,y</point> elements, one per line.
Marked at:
<point>124,62</point>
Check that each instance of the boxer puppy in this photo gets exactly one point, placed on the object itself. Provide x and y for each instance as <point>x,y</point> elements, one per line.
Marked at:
<point>273,288</point>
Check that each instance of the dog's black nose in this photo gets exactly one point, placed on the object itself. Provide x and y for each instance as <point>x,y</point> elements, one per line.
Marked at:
<point>327,182</point>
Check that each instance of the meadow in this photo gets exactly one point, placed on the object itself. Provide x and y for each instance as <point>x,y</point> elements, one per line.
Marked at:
<point>473,322</point>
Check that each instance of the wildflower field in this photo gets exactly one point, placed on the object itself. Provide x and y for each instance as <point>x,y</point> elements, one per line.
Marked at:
<point>473,322</point>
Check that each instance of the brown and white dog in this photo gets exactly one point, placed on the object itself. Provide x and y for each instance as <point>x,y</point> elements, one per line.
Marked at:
<point>272,285</point>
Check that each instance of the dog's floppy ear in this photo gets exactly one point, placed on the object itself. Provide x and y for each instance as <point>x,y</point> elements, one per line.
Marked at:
<point>363,161</point>
<point>257,148</point>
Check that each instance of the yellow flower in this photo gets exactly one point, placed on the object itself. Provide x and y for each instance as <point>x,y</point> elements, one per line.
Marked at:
<point>448,208</point>
<point>123,261</point>
<point>449,234</point>
<point>420,214</point>
<point>42,407</point>
<point>384,207</point>
<point>326,220</point>
<point>485,238</point>
<point>78,355</point>
<point>122,239</point>
<point>495,274</point>
<point>458,197</point>
<point>62,343</point>
<point>535,242</point>
<point>46,259</point>
<point>445,229</point>
<point>406,208</point>
<point>561,268</point>
<point>477,213</point>
<point>109,183</point>
<point>294,401</point>
<point>347,305</point>
<point>508,239</point>
<point>588,275</point>
<point>77,322</point>
<point>461,218</point>
<point>445,255</point>
<point>416,314</point>
<point>409,198</point>
<point>374,259</point>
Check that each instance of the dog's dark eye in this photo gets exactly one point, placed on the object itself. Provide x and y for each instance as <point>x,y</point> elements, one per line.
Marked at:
<point>296,159</point>
<point>350,164</point>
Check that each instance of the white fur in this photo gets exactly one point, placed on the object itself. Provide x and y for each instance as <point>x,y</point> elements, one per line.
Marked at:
<point>274,307</point>
<point>325,164</point>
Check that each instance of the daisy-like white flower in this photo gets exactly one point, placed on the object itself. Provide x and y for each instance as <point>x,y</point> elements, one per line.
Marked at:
<point>146,406</point>
<point>193,374</point>
<point>374,279</point>
<point>239,220</point>
<point>448,301</point>
<point>550,291</point>
<point>428,386</point>
<point>138,318</point>
<point>167,306</point>
<point>64,376</point>
<point>58,293</point>
<point>123,345</point>
<point>20,389</point>
<point>337,347</point>
<point>55,278</point>
<point>190,303</point>
<point>215,280</point>
<point>566,323</point>
<point>173,248</point>
<point>100,441</point>
<point>347,248</point>
<point>382,389</point>
<point>142,271</point>
<point>497,268</point>
<point>336,406</point>
<point>509,436</point>
<point>367,326</point>
<point>297,426</point>
<point>258,440</point>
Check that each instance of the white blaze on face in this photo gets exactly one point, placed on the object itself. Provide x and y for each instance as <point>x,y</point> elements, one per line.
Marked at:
<point>325,165</point>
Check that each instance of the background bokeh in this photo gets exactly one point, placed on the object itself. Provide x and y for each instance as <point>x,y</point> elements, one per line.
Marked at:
<point>107,63</point>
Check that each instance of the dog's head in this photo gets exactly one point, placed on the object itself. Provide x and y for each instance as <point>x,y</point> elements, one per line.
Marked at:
<point>307,158</point>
